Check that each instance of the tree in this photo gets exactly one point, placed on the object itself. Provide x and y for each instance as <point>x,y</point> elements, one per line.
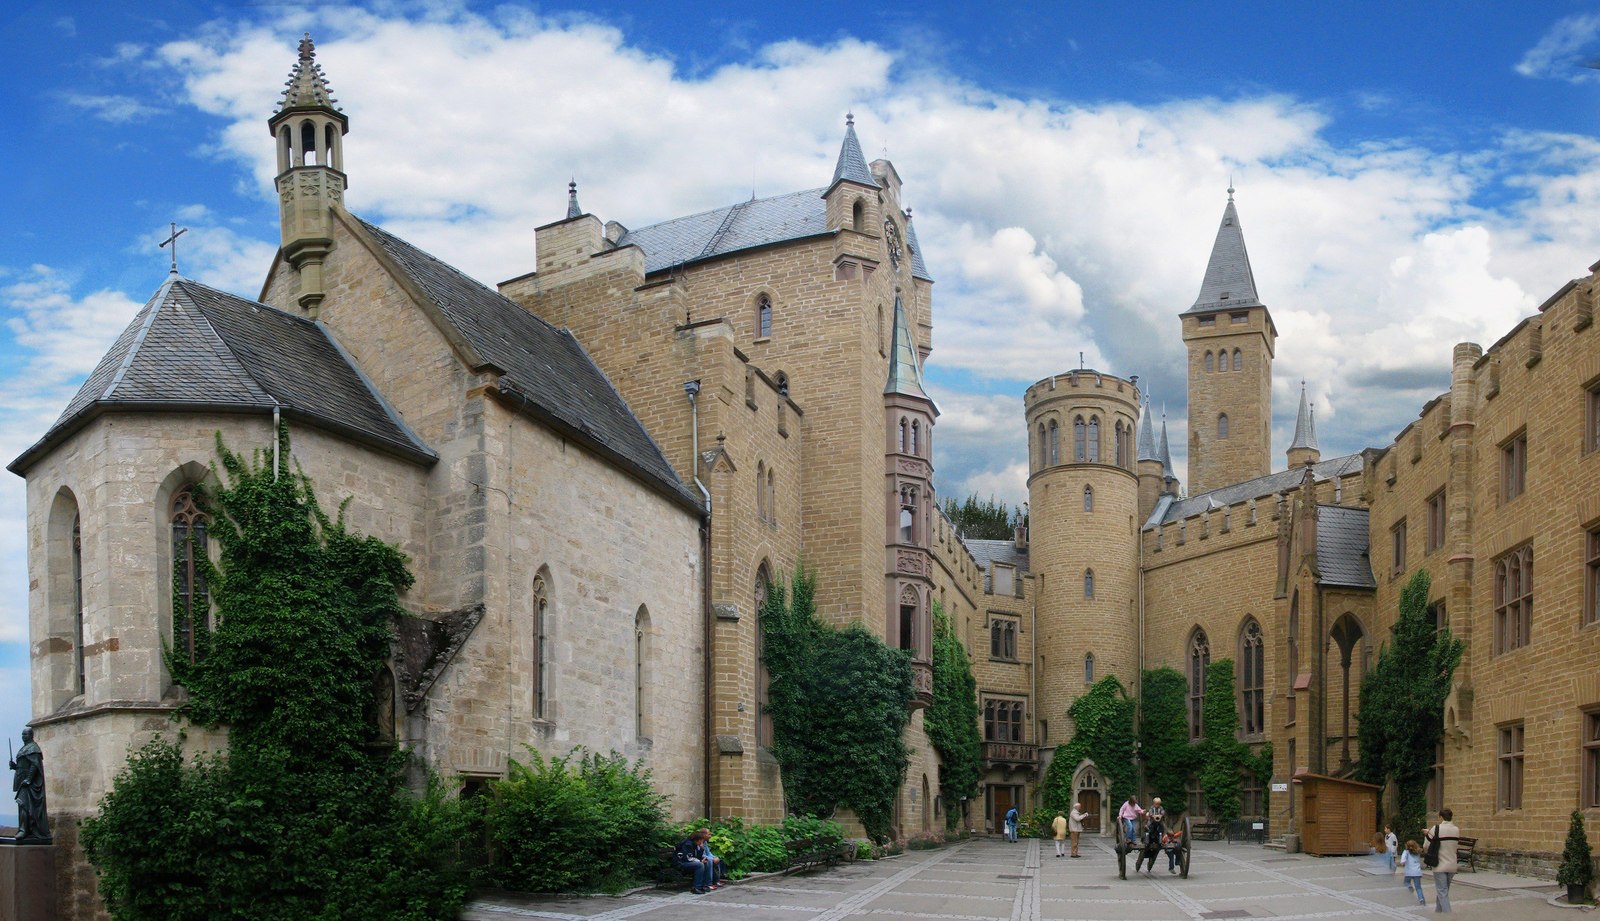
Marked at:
<point>1103,733</point>
<point>983,520</point>
<point>1402,705</point>
<point>839,700</point>
<point>952,721</point>
<point>1577,864</point>
<point>1169,759</point>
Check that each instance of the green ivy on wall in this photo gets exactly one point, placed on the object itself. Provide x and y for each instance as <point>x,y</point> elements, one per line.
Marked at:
<point>952,721</point>
<point>839,700</point>
<point>1169,757</point>
<point>1103,733</point>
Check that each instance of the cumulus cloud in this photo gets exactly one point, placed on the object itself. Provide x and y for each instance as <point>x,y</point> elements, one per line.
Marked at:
<point>111,108</point>
<point>1564,51</point>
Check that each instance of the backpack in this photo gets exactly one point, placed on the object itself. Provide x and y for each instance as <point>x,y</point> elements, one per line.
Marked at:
<point>1430,857</point>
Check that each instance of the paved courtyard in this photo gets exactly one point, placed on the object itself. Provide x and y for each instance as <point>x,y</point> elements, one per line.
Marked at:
<point>990,879</point>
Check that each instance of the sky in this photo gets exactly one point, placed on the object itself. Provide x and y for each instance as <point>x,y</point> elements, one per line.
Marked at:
<point>1408,176</point>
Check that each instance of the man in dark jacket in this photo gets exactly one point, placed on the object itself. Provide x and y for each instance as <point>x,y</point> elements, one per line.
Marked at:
<point>694,854</point>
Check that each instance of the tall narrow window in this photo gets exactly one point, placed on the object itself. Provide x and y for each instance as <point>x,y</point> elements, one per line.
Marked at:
<point>1294,657</point>
<point>1591,421</point>
<point>1088,498</point>
<point>1513,599</point>
<point>1088,583</point>
<point>916,432</point>
<point>77,598</point>
<point>1591,579</point>
<point>1397,544</point>
<point>1077,440</point>
<point>1514,467</point>
<point>761,490</point>
<point>1252,679</point>
<point>1238,360</point>
<point>1122,460</point>
<point>191,599</point>
<point>1055,443</point>
<point>908,515</point>
<point>1199,661</point>
<point>1591,760</point>
<point>908,619</point>
<point>1511,763</point>
<point>1222,426</point>
<point>764,317</point>
<point>772,498</point>
<point>905,435</point>
<point>1436,780</point>
<point>1044,448</point>
<point>1436,509</point>
<point>1209,362</point>
<point>1094,439</point>
<point>641,667</point>
<point>763,677</point>
<point>1088,668</point>
<point>541,640</point>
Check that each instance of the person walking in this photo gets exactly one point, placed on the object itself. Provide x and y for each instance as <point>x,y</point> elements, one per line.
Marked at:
<point>1011,825</point>
<point>1075,825</point>
<point>1411,870</point>
<point>1393,844</point>
<point>1059,826</point>
<point>1442,839</point>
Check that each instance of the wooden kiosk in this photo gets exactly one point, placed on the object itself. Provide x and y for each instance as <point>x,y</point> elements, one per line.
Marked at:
<point>1337,816</point>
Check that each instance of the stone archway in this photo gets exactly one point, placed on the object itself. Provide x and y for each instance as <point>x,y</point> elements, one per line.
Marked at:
<point>1089,788</point>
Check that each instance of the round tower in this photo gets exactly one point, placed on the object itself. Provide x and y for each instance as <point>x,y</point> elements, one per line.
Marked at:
<point>1083,517</point>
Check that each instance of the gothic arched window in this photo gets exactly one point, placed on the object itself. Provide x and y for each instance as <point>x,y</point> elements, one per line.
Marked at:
<point>191,615</point>
<point>763,677</point>
<point>764,317</point>
<point>916,433</point>
<point>1055,443</point>
<point>641,671</point>
<point>1044,448</point>
<point>77,598</point>
<point>1094,439</point>
<point>1088,668</point>
<point>541,641</point>
<point>1209,365</point>
<point>1222,425</point>
<point>1088,583</point>
<point>1088,498</point>
<point>1199,661</point>
<point>1252,680</point>
<point>761,490</point>
<point>1238,360</point>
<point>1078,440</point>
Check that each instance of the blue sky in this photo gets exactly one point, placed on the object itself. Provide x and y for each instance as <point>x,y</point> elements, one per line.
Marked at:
<point>1407,177</point>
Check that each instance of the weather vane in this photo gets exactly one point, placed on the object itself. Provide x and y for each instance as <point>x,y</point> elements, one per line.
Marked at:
<point>173,239</point>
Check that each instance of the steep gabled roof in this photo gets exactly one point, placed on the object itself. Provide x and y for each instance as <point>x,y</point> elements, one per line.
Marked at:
<point>1229,282</point>
<point>852,165</point>
<point>194,348</point>
<point>544,366</point>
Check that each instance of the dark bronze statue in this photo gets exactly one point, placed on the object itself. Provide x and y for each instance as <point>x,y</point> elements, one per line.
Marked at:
<point>27,781</point>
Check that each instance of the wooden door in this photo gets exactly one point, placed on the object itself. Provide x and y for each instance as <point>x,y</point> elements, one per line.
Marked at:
<point>1091,804</point>
<point>1002,801</point>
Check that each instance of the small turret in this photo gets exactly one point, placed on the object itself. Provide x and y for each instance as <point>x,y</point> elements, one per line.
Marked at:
<point>1169,478</point>
<point>853,194</point>
<point>309,134</point>
<point>1303,450</point>
<point>1148,464</point>
<point>573,210</point>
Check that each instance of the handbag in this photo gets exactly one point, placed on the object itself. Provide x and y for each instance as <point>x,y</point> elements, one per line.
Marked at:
<point>1430,857</point>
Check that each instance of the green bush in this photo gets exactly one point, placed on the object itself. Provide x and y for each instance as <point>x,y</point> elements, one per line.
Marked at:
<point>864,850</point>
<point>1036,824</point>
<point>1577,864</point>
<point>580,822</point>
<point>747,848</point>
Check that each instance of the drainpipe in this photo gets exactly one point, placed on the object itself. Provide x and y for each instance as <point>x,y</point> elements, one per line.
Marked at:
<point>1138,700</point>
<point>277,439</point>
<point>692,390</point>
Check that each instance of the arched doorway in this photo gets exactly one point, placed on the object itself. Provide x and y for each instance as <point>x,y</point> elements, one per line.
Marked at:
<point>1089,789</point>
<point>1349,638</point>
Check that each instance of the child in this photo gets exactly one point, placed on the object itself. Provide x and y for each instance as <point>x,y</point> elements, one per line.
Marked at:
<point>1394,846</point>
<point>1411,868</point>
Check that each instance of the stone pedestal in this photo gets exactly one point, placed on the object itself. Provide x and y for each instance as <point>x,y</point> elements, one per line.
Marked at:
<point>27,882</point>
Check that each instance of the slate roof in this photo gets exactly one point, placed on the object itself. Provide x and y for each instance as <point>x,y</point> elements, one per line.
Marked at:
<point>1147,437</point>
<point>1342,551</point>
<point>747,225</point>
<point>192,348</point>
<point>1228,281</point>
<point>546,366</point>
<point>1005,552</point>
<point>1305,424</point>
<point>1258,488</point>
<point>852,163</point>
<point>905,372</point>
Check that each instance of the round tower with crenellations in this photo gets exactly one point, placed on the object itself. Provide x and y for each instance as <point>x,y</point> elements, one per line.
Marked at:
<point>1084,510</point>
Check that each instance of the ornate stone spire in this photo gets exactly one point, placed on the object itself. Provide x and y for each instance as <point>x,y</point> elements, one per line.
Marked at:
<point>1166,452</point>
<point>572,200</point>
<point>1147,437</point>
<point>905,371</point>
<point>852,165</point>
<point>307,87</point>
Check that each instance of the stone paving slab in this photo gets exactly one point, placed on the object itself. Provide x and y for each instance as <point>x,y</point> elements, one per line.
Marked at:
<point>992,880</point>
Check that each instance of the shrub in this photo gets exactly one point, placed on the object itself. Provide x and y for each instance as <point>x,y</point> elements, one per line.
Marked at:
<point>924,843</point>
<point>580,822</point>
<point>1577,865</point>
<point>1036,824</point>
<point>864,850</point>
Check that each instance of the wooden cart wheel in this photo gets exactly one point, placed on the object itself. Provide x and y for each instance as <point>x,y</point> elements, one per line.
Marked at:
<point>1184,848</point>
<point>1122,851</point>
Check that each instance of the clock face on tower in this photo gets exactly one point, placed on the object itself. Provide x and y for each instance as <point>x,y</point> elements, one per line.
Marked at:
<point>891,242</point>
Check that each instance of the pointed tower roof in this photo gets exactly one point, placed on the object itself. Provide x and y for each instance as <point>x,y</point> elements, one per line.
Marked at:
<point>572,200</point>
<point>905,371</point>
<point>307,87</point>
<point>1147,437</point>
<point>1229,281</point>
<point>1166,453</point>
<point>852,164</point>
<point>1305,424</point>
<point>919,269</point>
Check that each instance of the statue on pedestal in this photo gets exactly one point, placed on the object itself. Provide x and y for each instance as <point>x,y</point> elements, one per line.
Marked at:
<point>27,781</point>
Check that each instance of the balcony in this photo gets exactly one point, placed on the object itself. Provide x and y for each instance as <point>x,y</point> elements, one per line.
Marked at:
<point>1010,756</point>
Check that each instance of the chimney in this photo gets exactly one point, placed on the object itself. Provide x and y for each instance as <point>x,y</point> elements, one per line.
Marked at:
<point>1022,537</point>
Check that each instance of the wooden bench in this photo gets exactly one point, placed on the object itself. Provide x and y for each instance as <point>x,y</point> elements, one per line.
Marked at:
<point>1467,853</point>
<point>1206,831</point>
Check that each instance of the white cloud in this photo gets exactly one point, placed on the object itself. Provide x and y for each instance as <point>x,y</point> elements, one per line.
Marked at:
<point>111,108</point>
<point>1560,54</point>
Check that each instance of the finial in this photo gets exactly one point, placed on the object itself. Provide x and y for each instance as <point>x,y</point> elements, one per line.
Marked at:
<point>908,215</point>
<point>849,119</point>
<point>308,49</point>
<point>1230,187</point>
<point>173,239</point>
<point>572,199</point>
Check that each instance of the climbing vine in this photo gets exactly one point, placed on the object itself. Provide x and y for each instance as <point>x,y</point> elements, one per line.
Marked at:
<point>839,700</point>
<point>303,816</point>
<point>1402,705</point>
<point>952,721</point>
<point>1103,732</point>
<point>1169,758</point>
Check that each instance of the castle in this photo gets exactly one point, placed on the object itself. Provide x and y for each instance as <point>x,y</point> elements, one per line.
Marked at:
<point>597,469</point>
